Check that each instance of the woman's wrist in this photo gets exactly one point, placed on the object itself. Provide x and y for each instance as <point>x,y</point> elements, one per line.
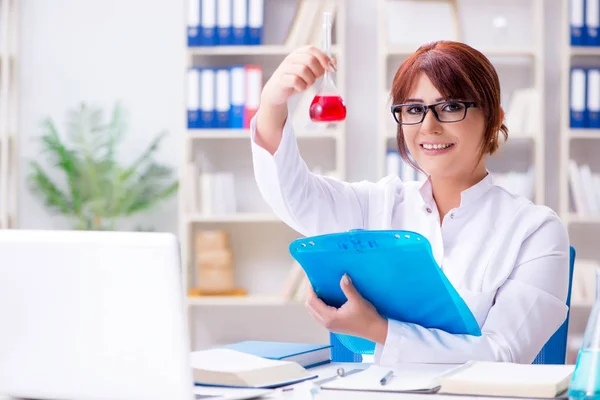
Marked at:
<point>269,126</point>
<point>378,330</point>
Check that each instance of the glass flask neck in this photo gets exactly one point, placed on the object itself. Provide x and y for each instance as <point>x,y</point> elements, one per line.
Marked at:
<point>327,33</point>
<point>327,87</point>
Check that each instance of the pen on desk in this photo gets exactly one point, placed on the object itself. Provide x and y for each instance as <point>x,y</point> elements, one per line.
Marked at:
<point>386,378</point>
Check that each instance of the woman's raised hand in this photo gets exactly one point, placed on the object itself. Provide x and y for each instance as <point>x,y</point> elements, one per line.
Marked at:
<point>296,73</point>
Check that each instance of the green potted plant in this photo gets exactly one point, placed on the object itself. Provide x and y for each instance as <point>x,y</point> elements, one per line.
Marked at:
<point>98,189</point>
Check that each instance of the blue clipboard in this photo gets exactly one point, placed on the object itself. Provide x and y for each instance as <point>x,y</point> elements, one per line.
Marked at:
<point>394,270</point>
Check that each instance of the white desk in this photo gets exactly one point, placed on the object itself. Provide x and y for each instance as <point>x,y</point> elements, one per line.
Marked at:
<point>302,390</point>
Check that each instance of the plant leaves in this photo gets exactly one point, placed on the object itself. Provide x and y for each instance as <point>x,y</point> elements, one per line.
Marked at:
<point>99,189</point>
<point>54,198</point>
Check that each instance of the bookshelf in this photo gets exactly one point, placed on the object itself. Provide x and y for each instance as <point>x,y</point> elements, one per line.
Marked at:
<point>577,186</point>
<point>9,18</point>
<point>520,65</point>
<point>258,239</point>
<point>576,144</point>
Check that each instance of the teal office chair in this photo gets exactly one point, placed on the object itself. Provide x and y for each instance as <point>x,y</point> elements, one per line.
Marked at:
<point>553,352</point>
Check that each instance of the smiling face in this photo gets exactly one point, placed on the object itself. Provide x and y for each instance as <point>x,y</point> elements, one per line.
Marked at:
<point>448,149</point>
<point>444,71</point>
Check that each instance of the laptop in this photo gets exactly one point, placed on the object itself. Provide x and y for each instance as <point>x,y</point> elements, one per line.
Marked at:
<point>94,315</point>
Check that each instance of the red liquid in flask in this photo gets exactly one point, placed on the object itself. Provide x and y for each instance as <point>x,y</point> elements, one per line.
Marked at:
<point>327,109</point>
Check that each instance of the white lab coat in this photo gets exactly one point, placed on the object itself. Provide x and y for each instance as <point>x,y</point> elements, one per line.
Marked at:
<point>507,257</point>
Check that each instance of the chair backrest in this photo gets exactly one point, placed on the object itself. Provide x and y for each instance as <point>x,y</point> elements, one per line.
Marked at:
<point>553,352</point>
<point>555,349</point>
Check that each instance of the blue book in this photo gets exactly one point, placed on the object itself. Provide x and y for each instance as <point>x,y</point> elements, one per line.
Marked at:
<point>193,98</point>
<point>592,22</point>
<point>593,98</point>
<point>237,87</point>
<point>239,22</point>
<point>193,24</point>
<point>577,99</point>
<point>224,27</point>
<point>255,22</point>
<point>307,355</point>
<point>207,119</point>
<point>208,23</point>
<point>578,30</point>
<point>222,98</point>
<point>394,270</point>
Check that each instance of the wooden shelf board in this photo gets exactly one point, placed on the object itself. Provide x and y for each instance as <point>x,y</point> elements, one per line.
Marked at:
<point>239,217</point>
<point>241,301</point>
<point>217,134</point>
<point>269,49</point>
<point>584,134</point>
<point>573,218</point>
<point>584,51</point>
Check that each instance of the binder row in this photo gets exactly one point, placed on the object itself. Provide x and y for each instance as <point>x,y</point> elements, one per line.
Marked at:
<point>223,97</point>
<point>584,22</point>
<point>585,97</point>
<point>585,189</point>
<point>225,22</point>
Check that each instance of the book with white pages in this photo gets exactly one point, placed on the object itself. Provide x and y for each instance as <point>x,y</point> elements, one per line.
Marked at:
<point>230,368</point>
<point>417,378</point>
<point>504,379</point>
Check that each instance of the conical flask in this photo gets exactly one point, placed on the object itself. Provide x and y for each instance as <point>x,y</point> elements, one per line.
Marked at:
<point>585,383</point>
<point>327,105</point>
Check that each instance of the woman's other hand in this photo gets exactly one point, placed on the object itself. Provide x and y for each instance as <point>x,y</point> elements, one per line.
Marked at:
<point>357,317</point>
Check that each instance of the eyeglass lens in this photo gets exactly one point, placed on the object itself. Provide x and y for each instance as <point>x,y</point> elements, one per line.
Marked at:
<point>446,112</point>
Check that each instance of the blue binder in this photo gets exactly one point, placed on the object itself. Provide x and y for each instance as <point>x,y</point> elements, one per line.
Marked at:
<point>578,28</point>
<point>394,270</point>
<point>224,27</point>
<point>578,113</point>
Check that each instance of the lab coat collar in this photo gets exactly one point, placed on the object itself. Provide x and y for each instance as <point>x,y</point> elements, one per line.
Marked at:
<point>467,196</point>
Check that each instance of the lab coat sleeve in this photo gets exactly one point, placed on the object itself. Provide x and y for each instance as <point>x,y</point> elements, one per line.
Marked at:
<point>529,307</point>
<point>309,203</point>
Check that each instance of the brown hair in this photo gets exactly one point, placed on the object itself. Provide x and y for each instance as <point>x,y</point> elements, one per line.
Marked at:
<point>458,71</point>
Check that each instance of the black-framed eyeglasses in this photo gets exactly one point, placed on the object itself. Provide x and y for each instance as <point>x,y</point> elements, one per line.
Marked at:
<point>444,111</point>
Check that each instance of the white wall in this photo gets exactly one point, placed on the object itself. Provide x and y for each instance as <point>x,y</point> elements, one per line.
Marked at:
<point>362,81</point>
<point>100,52</point>
<point>552,100</point>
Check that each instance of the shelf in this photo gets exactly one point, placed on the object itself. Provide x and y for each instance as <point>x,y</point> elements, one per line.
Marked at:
<point>583,219</point>
<point>240,217</point>
<point>585,51</point>
<point>584,134</point>
<point>241,301</point>
<point>246,50</point>
<point>216,134</point>
<point>406,50</point>
<point>582,306</point>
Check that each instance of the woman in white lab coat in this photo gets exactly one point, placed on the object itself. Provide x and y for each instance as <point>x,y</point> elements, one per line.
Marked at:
<point>507,257</point>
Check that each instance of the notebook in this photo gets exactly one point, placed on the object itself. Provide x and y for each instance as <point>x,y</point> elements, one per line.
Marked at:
<point>508,380</point>
<point>417,378</point>
<point>476,378</point>
<point>230,368</point>
<point>393,269</point>
<point>305,354</point>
